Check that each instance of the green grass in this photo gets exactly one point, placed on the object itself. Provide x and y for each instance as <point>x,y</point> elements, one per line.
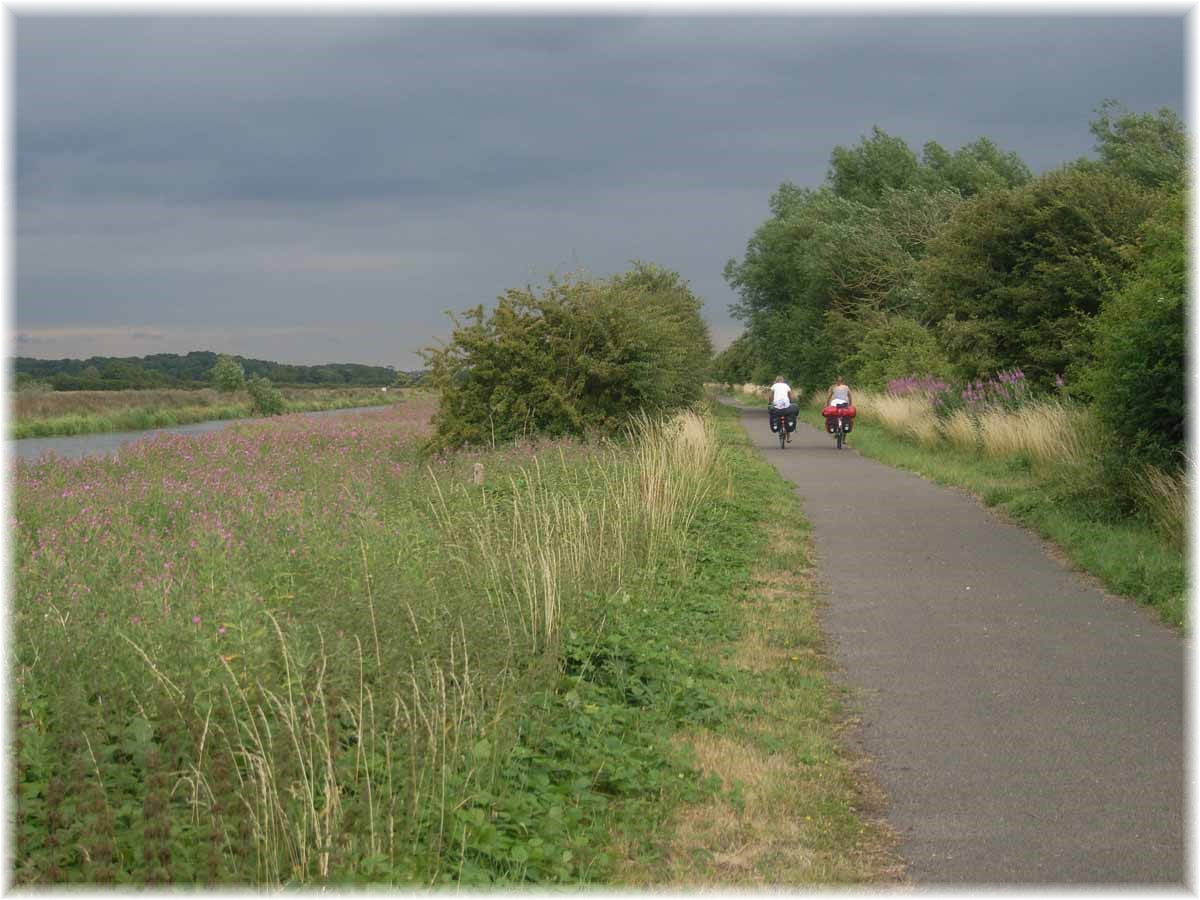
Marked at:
<point>797,808</point>
<point>1128,556</point>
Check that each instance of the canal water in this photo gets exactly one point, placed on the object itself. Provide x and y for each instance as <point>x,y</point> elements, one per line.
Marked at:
<point>77,446</point>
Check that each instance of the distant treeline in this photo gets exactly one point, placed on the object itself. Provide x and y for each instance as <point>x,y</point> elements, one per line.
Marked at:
<point>170,370</point>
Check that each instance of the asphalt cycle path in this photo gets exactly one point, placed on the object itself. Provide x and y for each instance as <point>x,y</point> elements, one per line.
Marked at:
<point>1027,727</point>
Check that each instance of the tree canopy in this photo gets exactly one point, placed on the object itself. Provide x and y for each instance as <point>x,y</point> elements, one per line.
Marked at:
<point>961,264</point>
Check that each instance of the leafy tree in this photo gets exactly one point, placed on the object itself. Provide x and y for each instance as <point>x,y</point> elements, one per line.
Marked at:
<point>1151,149</point>
<point>879,162</point>
<point>785,283</point>
<point>823,266</point>
<point>1138,380</point>
<point>264,396</point>
<point>973,169</point>
<point>1015,278</point>
<point>227,375</point>
<point>577,356</point>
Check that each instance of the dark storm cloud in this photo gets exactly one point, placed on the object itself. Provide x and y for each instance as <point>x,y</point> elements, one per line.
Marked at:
<point>242,170</point>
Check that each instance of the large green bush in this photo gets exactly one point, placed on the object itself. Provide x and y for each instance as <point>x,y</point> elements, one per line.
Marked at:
<point>264,396</point>
<point>576,356</point>
<point>1138,382</point>
<point>892,347</point>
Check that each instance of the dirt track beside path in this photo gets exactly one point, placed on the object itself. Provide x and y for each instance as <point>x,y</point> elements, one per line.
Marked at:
<point>1027,727</point>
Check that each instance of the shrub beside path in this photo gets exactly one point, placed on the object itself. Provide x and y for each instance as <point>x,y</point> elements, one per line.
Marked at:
<point>1027,727</point>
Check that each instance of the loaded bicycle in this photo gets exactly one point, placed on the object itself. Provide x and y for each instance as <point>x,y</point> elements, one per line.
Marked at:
<point>839,421</point>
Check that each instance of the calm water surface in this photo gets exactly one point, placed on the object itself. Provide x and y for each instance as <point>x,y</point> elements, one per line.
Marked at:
<point>108,443</point>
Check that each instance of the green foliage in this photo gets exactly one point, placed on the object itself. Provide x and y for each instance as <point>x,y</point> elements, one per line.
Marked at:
<point>227,375</point>
<point>1013,281</point>
<point>580,355</point>
<point>264,396</point>
<point>1003,270</point>
<point>1138,381</point>
<point>883,163</point>
<point>973,169</point>
<point>594,754</point>
<point>879,163</point>
<point>1150,149</point>
<point>892,346</point>
<point>823,267</point>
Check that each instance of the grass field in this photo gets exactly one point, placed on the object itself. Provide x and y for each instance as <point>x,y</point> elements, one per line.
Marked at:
<point>300,652</point>
<point>48,413</point>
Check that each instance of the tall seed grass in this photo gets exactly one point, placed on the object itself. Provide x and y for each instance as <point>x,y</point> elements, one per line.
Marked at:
<point>1163,498</point>
<point>1046,432</point>
<point>535,543</point>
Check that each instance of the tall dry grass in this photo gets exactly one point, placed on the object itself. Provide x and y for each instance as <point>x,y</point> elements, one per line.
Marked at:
<point>50,404</point>
<point>1045,432</point>
<point>1163,498</point>
<point>909,416</point>
<point>535,543</point>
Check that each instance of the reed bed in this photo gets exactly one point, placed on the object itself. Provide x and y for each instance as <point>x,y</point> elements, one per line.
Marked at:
<point>304,644</point>
<point>49,404</point>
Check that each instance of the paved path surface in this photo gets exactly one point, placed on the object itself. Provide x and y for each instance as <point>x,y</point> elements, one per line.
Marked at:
<point>1028,728</point>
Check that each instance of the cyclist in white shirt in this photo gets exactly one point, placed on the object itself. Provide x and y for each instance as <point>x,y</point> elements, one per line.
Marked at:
<point>782,404</point>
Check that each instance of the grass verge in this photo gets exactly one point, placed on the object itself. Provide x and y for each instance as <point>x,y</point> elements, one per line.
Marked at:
<point>1129,558</point>
<point>795,806</point>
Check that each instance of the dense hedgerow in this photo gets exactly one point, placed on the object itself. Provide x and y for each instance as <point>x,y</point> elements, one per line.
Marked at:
<point>1138,382</point>
<point>580,355</point>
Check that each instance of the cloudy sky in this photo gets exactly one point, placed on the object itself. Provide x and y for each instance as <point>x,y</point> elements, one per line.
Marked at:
<point>324,188</point>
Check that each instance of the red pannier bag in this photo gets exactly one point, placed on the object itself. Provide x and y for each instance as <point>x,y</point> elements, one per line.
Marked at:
<point>832,412</point>
<point>846,412</point>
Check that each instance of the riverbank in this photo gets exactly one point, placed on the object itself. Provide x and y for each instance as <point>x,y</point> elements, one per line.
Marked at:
<point>94,412</point>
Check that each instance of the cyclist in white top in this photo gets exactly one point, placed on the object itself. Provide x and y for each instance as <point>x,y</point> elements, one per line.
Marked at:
<point>783,404</point>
